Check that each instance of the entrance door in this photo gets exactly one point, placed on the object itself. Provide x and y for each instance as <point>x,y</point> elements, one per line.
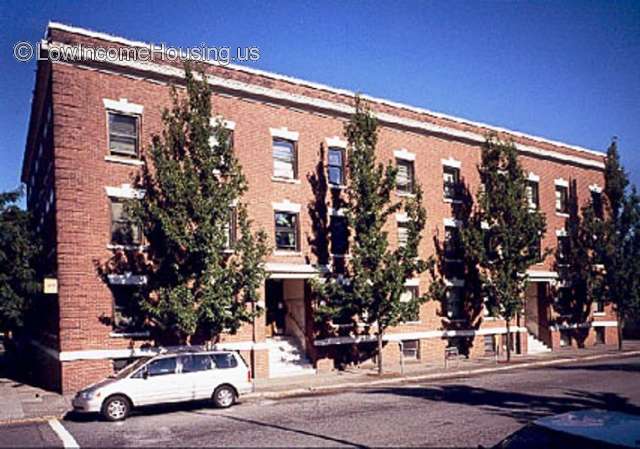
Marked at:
<point>276,307</point>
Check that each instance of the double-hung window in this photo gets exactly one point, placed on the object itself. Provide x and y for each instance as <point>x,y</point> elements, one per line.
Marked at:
<point>123,230</point>
<point>451,182</point>
<point>596,203</point>
<point>230,229</point>
<point>562,199</point>
<point>533,195</point>
<point>123,135</point>
<point>403,233</point>
<point>405,178</point>
<point>286,230</point>
<point>335,167</point>
<point>339,238</point>
<point>284,159</point>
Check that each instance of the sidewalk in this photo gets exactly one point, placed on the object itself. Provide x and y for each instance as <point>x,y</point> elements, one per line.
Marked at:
<point>23,402</point>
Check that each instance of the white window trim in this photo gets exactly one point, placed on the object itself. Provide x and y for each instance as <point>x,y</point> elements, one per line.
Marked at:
<point>561,232</point>
<point>451,223</point>
<point>123,160</point>
<point>402,217</point>
<point>595,188</point>
<point>284,133</point>
<point>335,142</point>
<point>123,106</point>
<point>287,206</point>
<point>451,162</point>
<point>124,191</point>
<point>533,177</point>
<point>561,182</point>
<point>228,124</point>
<point>413,282</point>
<point>404,154</point>
<point>337,212</point>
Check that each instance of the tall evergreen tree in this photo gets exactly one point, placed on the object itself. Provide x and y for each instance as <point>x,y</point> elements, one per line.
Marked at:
<point>506,231</point>
<point>371,290</point>
<point>620,249</point>
<point>18,252</point>
<point>199,280</point>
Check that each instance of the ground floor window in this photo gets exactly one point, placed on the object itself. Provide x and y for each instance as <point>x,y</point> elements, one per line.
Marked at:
<point>600,332</point>
<point>489,344</point>
<point>119,364</point>
<point>565,339</point>
<point>411,349</point>
<point>127,316</point>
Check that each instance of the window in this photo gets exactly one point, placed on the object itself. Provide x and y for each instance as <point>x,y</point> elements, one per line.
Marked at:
<point>196,362</point>
<point>120,364</point>
<point>123,135</point>
<point>336,166</point>
<point>405,178</point>
<point>564,248</point>
<point>230,229</point>
<point>533,195</point>
<point>599,306</point>
<point>286,231</point>
<point>454,302</point>
<point>162,367</point>
<point>123,230</point>
<point>451,182</point>
<point>411,294</point>
<point>339,239</point>
<point>596,201</point>
<point>535,248</point>
<point>452,243</point>
<point>489,344</point>
<point>224,360</point>
<point>565,338</point>
<point>410,349</point>
<point>284,159</point>
<point>403,234</point>
<point>562,199</point>
<point>126,314</point>
<point>600,335</point>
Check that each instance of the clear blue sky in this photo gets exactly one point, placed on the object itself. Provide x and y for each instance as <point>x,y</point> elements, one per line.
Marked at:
<point>566,70</point>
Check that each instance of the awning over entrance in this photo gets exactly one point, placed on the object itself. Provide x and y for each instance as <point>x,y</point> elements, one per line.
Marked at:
<point>292,271</point>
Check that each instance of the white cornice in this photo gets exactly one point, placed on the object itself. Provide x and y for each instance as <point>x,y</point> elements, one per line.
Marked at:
<point>343,108</point>
<point>327,88</point>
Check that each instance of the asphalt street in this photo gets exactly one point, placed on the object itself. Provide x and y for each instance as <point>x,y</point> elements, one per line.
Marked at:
<point>463,412</point>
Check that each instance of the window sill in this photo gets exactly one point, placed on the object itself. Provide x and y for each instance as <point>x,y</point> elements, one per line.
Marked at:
<point>599,313</point>
<point>562,214</point>
<point>127,247</point>
<point>341,256</point>
<point>405,194</point>
<point>412,323</point>
<point>337,186</point>
<point>285,180</point>
<point>123,160</point>
<point>129,334</point>
<point>452,200</point>
<point>287,253</point>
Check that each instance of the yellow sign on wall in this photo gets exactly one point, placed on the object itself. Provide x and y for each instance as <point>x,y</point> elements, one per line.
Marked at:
<point>50,286</point>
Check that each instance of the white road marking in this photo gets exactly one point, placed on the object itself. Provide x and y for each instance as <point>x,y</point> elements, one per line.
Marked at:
<point>67,439</point>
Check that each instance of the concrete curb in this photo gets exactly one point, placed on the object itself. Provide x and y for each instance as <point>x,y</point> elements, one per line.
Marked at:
<point>311,391</point>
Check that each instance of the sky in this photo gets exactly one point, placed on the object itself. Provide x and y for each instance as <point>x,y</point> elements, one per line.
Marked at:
<point>566,70</point>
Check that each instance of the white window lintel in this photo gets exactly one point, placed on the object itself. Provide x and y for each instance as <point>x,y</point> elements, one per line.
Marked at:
<point>123,106</point>
<point>284,133</point>
<point>451,162</point>
<point>561,182</point>
<point>533,177</point>
<point>228,124</point>
<point>287,206</point>
<point>124,191</point>
<point>451,223</point>
<point>335,142</point>
<point>404,154</point>
<point>595,188</point>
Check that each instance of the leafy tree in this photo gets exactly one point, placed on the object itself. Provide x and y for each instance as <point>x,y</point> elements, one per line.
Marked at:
<point>370,290</point>
<point>198,281</point>
<point>620,248</point>
<point>506,231</point>
<point>18,253</point>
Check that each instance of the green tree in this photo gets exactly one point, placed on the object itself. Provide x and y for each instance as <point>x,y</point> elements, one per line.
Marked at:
<point>199,281</point>
<point>620,247</point>
<point>507,231</point>
<point>371,289</point>
<point>18,253</point>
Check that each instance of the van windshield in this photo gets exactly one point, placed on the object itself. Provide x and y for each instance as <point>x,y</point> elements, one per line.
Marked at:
<point>124,372</point>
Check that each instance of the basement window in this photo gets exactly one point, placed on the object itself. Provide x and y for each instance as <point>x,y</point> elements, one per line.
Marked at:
<point>600,335</point>
<point>411,349</point>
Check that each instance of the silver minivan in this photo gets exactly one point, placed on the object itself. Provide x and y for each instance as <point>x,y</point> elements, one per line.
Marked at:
<point>170,377</point>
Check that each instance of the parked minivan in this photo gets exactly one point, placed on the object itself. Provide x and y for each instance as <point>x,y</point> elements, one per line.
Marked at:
<point>170,377</point>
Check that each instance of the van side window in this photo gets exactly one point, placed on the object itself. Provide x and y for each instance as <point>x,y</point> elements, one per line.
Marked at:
<point>225,361</point>
<point>194,363</point>
<point>162,366</point>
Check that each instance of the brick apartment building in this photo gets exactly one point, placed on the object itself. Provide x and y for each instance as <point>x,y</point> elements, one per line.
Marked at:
<point>91,119</point>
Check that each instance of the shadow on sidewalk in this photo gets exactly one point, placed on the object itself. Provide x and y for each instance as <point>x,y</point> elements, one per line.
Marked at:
<point>519,406</point>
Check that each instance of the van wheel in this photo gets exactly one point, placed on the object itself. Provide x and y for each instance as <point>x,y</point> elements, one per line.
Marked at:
<point>224,396</point>
<point>116,408</point>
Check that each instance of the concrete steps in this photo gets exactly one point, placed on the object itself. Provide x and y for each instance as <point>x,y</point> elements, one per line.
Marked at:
<point>287,358</point>
<point>535,346</point>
